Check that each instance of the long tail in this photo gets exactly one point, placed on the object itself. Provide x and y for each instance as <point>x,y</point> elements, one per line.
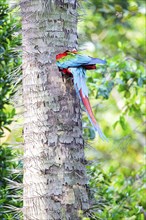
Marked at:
<point>91,117</point>
<point>79,75</point>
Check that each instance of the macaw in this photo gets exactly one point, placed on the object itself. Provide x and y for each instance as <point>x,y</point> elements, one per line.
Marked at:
<point>74,64</point>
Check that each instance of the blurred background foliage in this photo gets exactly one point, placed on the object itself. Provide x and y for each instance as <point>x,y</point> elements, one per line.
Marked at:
<point>9,70</point>
<point>109,29</point>
<point>115,30</point>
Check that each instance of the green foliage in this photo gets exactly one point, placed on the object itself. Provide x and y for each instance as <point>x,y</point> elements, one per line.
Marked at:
<point>9,62</point>
<point>7,195</point>
<point>121,40</point>
<point>117,195</point>
<point>114,30</point>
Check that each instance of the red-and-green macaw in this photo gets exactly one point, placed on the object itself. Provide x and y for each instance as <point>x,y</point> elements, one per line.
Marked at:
<point>75,64</point>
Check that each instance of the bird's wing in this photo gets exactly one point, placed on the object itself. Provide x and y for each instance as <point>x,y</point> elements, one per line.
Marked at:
<point>96,61</point>
<point>73,60</point>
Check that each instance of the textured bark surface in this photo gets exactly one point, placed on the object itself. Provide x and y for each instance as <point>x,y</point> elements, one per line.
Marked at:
<point>54,171</point>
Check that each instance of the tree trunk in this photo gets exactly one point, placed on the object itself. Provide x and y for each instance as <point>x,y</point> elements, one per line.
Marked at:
<point>54,165</point>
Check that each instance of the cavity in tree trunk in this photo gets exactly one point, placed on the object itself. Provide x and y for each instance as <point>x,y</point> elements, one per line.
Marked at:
<point>54,165</point>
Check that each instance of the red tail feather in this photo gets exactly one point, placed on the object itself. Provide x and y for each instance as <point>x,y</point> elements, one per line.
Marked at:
<point>87,105</point>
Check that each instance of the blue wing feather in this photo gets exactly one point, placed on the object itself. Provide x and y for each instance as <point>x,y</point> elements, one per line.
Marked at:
<point>96,61</point>
<point>79,60</point>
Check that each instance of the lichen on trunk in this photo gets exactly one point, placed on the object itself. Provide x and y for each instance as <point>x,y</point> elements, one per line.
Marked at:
<point>54,164</point>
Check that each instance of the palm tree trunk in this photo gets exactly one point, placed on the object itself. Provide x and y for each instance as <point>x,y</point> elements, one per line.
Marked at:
<point>54,165</point>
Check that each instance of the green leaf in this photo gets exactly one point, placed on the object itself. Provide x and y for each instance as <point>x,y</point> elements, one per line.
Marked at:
<point>118,8</point>
<point>123,122</point>
<point>127,94</point>
<point>115,124</point>
<point>133,8</point>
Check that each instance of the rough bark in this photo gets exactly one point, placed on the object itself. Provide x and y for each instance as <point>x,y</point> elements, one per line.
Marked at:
<point>54,165</point>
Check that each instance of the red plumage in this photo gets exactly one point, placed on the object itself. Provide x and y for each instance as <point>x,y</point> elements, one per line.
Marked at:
<point>61,55</point>
<point>87,105</point>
